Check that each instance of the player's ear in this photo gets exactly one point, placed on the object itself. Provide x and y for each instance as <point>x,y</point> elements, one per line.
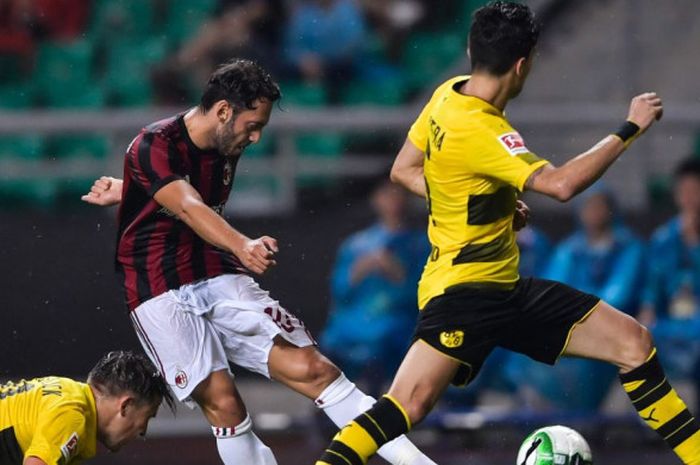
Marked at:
<point>521,66</point>
<point>224,110</point>
<point>126,403</point>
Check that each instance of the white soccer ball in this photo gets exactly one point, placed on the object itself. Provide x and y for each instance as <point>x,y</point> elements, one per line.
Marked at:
<point>554,445</point>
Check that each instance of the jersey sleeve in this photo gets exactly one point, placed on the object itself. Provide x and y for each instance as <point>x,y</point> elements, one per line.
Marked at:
<point>59,436</point>
<point>152,162</point>
<point>502,154</point>
<point>418,134</point>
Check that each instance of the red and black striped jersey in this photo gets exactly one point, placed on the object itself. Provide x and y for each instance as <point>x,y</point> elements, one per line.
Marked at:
<point>156,251</point>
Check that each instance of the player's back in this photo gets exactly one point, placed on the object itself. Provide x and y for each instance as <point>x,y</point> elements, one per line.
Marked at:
<point>32,411</point>
<point>475,165</point>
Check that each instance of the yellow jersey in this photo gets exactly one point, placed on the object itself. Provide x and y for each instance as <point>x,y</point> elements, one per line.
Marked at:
<point>51,418</point>
<point>475,167</point>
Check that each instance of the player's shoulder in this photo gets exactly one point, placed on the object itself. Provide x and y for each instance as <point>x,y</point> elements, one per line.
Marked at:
<point>168,128</point>
<point>447,85</point>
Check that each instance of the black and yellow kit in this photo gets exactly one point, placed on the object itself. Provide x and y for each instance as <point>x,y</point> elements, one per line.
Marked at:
<point>472,298</point>
<point>53,419</point>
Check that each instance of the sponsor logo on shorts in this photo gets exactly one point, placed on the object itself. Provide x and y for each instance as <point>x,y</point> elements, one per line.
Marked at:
<point>513,143</point>
<point>452,339</point>
<point>181,379</point>
<point>70,447</point>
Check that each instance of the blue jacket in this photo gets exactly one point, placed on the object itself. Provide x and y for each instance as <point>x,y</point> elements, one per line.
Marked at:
<point>673,266</point>
<point>367,311</point>
<point>614,274</point>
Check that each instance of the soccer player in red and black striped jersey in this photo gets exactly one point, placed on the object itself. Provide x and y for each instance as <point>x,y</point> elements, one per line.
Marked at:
<point>187,272</point>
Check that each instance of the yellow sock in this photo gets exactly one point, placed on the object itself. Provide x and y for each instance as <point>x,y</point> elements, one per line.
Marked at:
<point>662,409</point>
<point>357,441</point>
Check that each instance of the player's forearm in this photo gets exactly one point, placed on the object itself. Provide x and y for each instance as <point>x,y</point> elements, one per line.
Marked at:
<point>211,227</point>
<point>579,173</point>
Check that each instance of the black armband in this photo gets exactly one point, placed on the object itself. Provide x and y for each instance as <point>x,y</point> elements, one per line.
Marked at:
<point>627,132</point>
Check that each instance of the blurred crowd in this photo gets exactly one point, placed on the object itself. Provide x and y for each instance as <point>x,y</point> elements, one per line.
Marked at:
<point>656,281</point>
<point>161,51</point>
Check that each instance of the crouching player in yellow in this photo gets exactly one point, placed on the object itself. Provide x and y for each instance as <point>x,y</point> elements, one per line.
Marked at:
<point>58,421</point>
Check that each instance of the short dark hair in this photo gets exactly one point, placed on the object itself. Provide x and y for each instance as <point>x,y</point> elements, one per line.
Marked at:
<point>120,372</point>
<point>501,33</point>
<point>688,167</point>
<point>239,82</point>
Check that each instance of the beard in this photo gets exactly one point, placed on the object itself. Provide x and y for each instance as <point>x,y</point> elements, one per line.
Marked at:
<point>229,143</point>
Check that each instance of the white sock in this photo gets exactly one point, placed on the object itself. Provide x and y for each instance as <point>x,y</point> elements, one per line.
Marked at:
<point>240,445</point>
<point>342,402</point>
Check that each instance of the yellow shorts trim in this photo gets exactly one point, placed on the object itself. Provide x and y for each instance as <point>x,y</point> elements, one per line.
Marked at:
<point>462,362</point>
<point>573,326</point>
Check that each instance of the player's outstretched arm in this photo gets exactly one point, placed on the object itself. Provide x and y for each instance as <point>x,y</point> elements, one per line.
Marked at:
<point>105,192</point>
<point>408,169</point>
<point>564,182</point>
<point>184,201</point>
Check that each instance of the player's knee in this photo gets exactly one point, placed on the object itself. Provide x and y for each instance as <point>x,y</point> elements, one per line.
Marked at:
<point>636,347</point>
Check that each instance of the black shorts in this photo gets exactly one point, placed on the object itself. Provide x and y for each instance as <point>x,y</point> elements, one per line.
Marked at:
<point>535,318</point>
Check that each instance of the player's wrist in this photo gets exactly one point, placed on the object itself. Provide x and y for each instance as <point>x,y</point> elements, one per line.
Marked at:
<point>628,132</point>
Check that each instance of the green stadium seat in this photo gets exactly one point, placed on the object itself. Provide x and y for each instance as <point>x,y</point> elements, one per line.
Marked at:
<point>427,55</point>
<point>16,96</point>
<point>25,147</point>
<point>303,94</point>
<point>390,92</point>
<point>11,65</point>
<point>126,74</point>
<point>115,19</point>
<point>185,18</point>
<point>19,192</point>
<point>77,146</point>
<point>63,75</point>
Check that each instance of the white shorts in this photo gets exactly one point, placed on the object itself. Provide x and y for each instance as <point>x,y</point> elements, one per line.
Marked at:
<point>197,329</point>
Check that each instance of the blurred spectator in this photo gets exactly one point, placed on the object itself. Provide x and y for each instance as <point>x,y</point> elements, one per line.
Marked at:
<point>534,248</point>
<point>241,28</point>
<point>672,294</point>
<point>374,292</point>
<point>393,20</point>
<point>323,42</point>
<point>22,22</point>
<point>605,259</point>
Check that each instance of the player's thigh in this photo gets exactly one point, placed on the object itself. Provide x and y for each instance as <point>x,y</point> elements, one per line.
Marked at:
<point>610,335</point>
<point>249,321</point>
<point>422,377</point>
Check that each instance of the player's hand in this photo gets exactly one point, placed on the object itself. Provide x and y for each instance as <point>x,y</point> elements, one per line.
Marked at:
<point>258,254</point>
<point>645,109</point>
<point>104,192</point>
<point>522,215</point>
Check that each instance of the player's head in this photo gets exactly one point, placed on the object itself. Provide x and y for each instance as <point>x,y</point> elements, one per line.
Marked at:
<point>128,391</point>
<point>238,99</point>
<point>597,209</point>
<point>501,41</point>
<point>687,186</point>
<point>389,201</point>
